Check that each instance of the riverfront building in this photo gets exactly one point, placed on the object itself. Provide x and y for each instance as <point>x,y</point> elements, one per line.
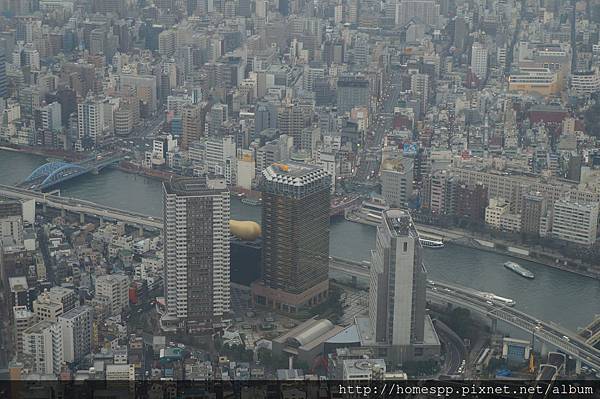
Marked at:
<point>196,252</point>
<point>295,225</point>
<point>575,222</point>
<point>397,182</point>
<point>398,327</point>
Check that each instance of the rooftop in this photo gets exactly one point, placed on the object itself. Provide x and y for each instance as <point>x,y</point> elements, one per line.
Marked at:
<point>360,366</point>
<point>309,334</point>
<point>399,222</point>
<point>294,174</point>
<point>17,284</point>
<point>194,186</point>
<point>73,313</point>
<point>39,327</point>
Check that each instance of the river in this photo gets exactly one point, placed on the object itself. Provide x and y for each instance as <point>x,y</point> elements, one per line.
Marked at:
<point>564,298</point>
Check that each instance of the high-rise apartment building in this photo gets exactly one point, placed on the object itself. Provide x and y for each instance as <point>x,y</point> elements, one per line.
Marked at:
<point>397,182</point>
<point>352,92</point>
<point>220,157</point>
<point>217,116</point>
<point>533,208</point>
<point>49,117</point>
<point>76,330</point>
<point>479,60</point>
<point>292,118</point>
<point>167,41</point>
<point>196,252</point>
<point>191,123</point>
<point>90,120</point>
<point>23,318</point>
<point>43,343</point>
<point>419,86</point>
<point>3,83</point>
<point>397,312</point>
<point>115,288</point>
<point>261,8</point>
<point>54,302</point>
<point>425,10</point>
<point>144,87</point>
<point>265,116</point>
<point>295,225</point>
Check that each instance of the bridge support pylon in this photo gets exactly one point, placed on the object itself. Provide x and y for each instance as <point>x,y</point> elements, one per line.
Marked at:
<point>101,219</point>
<point>82,218</point>
<point>494,325</point>
<point>578,366</point>
<point>44,208</point>
<point>141,230</point>
<point>63,213</point>
<point>544,349</point>
<point>354,281</point>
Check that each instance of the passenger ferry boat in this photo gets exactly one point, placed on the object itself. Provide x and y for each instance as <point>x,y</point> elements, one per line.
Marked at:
<point>431,243</point>
<point>251,201</point>
<point>520,270</point>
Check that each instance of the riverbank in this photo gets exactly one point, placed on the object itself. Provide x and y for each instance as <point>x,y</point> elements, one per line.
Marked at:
<point>43,152</point>
<point>469,240</point>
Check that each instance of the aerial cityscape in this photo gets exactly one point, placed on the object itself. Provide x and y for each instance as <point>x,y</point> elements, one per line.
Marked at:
<point>289,190</point>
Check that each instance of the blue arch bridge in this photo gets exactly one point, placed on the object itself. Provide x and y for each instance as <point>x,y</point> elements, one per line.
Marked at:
<point>56,172</point>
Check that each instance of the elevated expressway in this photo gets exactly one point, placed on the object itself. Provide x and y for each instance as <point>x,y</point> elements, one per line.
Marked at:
<point>565,340</point>
<point>82,207</point>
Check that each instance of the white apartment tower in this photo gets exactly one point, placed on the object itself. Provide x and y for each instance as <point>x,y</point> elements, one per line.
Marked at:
<point>479,60</point>
<point>419,86</point>
<point>23,318</point>
<point>196,258</point>
<point>90,120</point>
<point>115,288</point>
<point>43,343</point>
<point>76,329</point>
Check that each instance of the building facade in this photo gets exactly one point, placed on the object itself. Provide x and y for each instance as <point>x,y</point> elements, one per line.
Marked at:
<point>114,287</point>
<point>575,222</point>
<point>397,288</point>
<point>397,182</point>
<point>76,329</point>
<point>352,92</point>
<point>196,252</point>
<point>295,225</point>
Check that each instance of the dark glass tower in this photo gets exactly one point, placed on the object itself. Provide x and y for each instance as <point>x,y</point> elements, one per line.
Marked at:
<point>295,225</point>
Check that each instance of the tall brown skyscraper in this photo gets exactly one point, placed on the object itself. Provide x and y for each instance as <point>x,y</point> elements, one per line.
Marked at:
<point>191,125</point>
<point>295,225</point>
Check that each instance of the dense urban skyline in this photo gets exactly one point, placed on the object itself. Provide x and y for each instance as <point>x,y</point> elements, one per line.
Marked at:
<point>438,126</point>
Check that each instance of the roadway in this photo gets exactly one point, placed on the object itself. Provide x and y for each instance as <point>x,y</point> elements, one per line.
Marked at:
<point>383,123</point>
<point>455,351</point>
<point>567,341</point>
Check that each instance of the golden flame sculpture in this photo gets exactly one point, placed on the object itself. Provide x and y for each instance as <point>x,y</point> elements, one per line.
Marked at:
<point>245,230</point>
